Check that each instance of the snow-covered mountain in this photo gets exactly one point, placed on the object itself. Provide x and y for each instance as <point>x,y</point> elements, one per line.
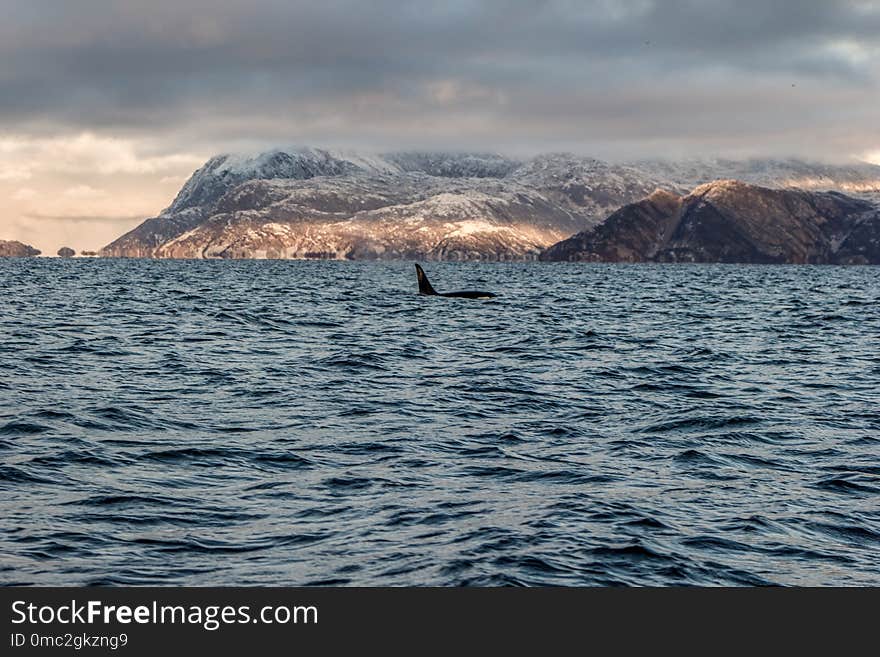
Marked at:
<point>311,203</point>
<point>224,172</point>
<point>362,217</point>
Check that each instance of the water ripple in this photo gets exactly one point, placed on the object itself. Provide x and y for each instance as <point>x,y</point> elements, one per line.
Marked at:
<point>319,423</point>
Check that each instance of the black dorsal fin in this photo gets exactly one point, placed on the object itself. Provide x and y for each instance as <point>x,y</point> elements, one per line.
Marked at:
<point>424,283</point>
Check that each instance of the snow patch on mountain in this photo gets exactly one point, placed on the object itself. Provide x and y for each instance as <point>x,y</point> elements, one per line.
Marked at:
<point>472,227</point>
<point>455,165</point>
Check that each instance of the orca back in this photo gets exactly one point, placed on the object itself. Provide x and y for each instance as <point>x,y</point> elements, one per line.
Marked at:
<point>425,287</point>
<point>469,294</point>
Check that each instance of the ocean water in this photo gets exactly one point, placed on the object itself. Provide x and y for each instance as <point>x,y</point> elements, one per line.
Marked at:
<point>301,423</point>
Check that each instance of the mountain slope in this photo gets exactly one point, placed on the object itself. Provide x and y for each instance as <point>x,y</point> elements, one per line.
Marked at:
<point>731,221</point>
<point>628,235</point>
<point>366,218</point>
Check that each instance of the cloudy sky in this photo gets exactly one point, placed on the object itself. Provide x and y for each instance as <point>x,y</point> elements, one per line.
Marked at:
<point>106,106</point>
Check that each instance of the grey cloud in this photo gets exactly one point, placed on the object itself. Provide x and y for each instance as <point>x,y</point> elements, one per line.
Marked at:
<point>603,74</point>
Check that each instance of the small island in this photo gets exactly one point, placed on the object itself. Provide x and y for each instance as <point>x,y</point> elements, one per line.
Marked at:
<point>14,249</point>
<point>66,252</point>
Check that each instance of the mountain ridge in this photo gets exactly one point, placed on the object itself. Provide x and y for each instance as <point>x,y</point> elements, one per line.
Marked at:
<point>309,202</point>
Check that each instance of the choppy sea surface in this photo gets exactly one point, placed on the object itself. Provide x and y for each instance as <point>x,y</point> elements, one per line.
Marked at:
<point>299,423</point>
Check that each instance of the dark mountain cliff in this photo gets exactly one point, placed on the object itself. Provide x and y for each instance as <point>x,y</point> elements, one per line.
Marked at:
<point>731,221</point>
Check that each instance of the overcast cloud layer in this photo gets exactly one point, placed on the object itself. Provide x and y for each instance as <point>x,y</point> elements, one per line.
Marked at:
<point>131,95</point>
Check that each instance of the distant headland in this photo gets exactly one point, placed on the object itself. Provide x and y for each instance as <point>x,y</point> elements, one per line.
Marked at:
<point>14,249</point>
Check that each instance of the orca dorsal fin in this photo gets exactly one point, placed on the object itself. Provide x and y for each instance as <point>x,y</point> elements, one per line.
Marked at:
<point>424,283</point>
